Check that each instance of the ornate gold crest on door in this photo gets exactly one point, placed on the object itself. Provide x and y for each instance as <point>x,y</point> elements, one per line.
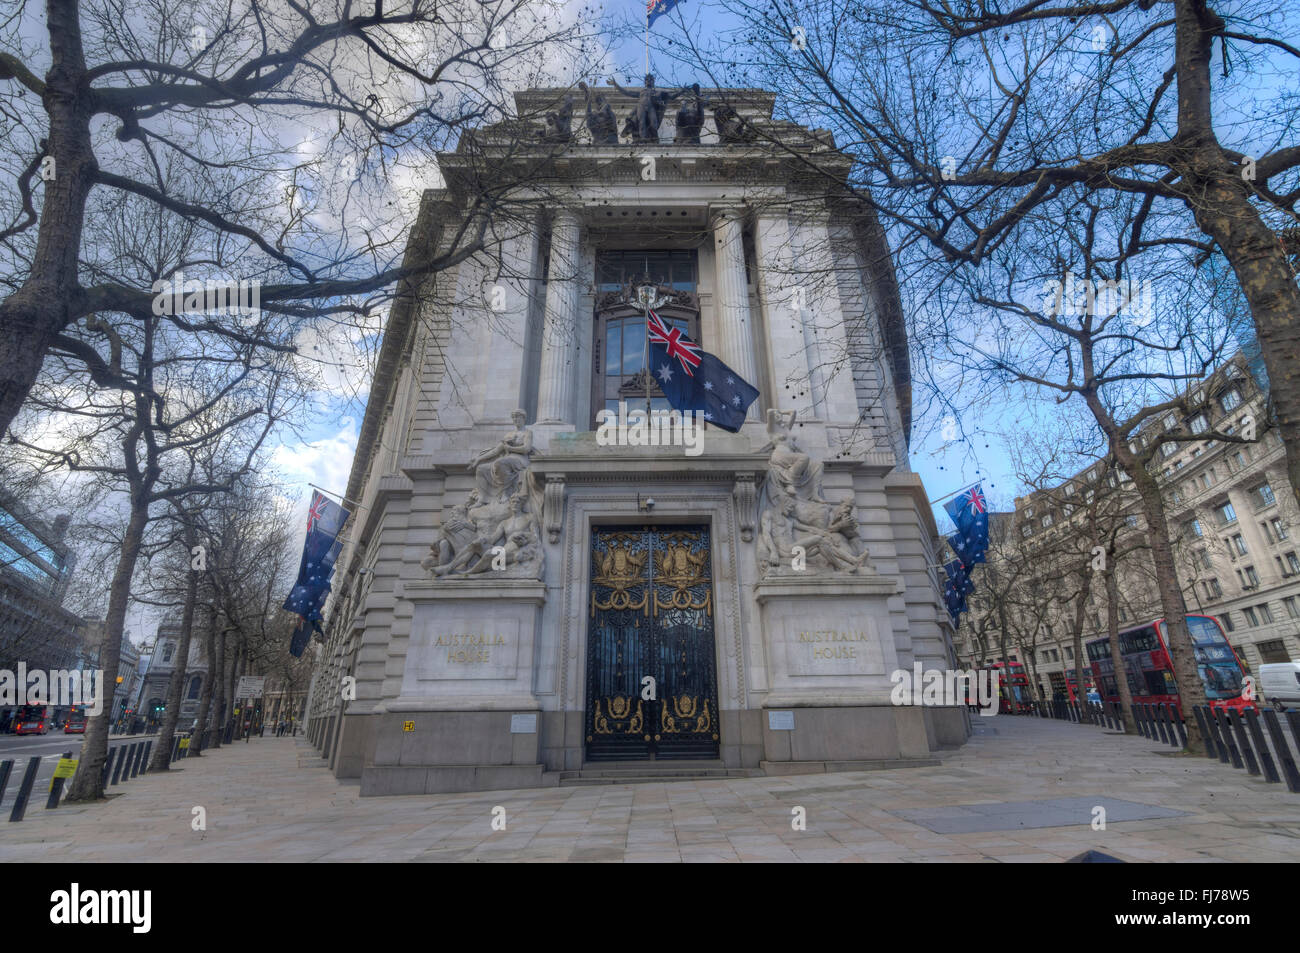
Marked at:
<point>651,617</point>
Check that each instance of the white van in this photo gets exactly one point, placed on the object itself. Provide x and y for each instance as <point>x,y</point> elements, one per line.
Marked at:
<point>1279,684</point>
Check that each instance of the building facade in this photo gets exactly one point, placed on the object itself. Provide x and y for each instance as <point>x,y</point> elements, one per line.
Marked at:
<point>527,591</point>
<point>35,564</point>
<point>1233,523</point>
<point>158,669</point>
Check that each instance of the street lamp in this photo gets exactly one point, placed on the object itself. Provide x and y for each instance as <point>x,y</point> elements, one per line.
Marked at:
<point>647,299</point>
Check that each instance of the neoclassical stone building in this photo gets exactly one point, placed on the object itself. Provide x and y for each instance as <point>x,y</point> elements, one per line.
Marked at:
<point>519,600</point>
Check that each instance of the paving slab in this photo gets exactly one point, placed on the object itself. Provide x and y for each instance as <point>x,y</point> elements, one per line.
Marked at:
<point>1022,790</point>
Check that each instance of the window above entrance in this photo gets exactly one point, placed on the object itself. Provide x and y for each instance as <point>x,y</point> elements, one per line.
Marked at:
<point>674,267</point>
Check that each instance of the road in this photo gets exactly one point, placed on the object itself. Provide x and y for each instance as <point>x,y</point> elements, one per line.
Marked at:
<point>49,748</point>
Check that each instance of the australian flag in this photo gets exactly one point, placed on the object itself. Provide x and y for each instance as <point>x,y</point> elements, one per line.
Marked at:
<point>970,512</point>
<point>958,587</point>
<point>693,379</point>
<point>654,9</point>
<point>325,519</point>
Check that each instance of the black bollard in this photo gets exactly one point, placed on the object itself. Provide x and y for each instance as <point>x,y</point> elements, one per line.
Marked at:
<point>121,760</point>
<point>1251,717</point>
<point>6,767</point>
<point>1225,732</point>
<point>25,790</point>
<point>56,789</point>
<point>1289,769</point>
<point>1243,742</point>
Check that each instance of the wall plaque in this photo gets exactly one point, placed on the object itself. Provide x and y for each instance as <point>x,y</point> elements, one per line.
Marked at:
<point>780,720</point>
<point>523,724</point>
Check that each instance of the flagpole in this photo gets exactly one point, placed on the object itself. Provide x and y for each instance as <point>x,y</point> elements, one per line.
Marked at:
<point>332,493</point>
<point>647,44</point>
<point>955,492</point>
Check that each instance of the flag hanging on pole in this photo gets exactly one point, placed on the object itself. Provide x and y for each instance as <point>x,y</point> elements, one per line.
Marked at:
<point>325,519</point>
<point>693,379</point>
<point>654,9</point>
<point>970,512</point>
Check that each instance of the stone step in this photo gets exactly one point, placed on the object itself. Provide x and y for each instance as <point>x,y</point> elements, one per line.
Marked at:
<point>649,772</point>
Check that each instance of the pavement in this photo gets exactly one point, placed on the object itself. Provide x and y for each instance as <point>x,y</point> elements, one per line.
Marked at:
<point>1023,789</point>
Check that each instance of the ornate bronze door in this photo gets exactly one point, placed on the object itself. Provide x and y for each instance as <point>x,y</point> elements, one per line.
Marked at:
<point>651,614</point>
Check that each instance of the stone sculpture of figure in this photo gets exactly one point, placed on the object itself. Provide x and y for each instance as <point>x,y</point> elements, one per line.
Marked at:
<point>827,534</point>
<point>601,122</point>
<point>793,511</point>
<point>559,125</point>
<point>649,110</point>
<point>731,128</point>
<point>517,536</point>
<point>456,532</point>
<point>690,118</point>
<point>789,469</point>
<point>497,469</point>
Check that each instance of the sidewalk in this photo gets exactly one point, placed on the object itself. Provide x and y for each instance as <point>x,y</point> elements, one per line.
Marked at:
<point>274,800</point>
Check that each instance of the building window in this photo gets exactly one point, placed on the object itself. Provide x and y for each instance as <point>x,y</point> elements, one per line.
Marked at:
<point>195,684</point>
<point>1292,562</point>
<point>1171,422</point>
<point>1265,613</point>
<point>1239,458</point>
<point>1213,589</point>
<point>1226,619</point>
<point>1239,545</point>
<point>1168,449</point>
<point>1198,424</point>
<point>1123,614</point>
<point>1207,478</point>
<point>1263,496</point>
<point>1292,604</point>
<point>1272,651</point>
<point>1249,613</point>
<point>1230,400</point>
<point>167,652</point>
<point>1203,557</point>
<point>1226,514</point>
<point>1252,577</point>
<point>1026,530</point>
<point>1195,528</point>
<point>1279,529</point>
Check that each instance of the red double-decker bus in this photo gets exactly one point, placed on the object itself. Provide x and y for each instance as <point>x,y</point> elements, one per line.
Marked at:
<point>1014,696</point>
<point>32,720</point>
<point>1150,672</point>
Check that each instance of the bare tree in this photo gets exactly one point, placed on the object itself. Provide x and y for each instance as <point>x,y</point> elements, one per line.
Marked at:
<point>966,121</point>
<point>280,135</point>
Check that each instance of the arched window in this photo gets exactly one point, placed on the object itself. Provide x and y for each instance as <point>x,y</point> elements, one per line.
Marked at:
<point>195,684</point>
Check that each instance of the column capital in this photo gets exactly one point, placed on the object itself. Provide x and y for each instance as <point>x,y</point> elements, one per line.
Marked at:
<point>720,214</point>
<point>563,215</point>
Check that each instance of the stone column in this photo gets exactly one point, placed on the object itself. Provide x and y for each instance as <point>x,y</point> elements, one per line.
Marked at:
<point>784,299</point>
<point>731,301</point>
<point>560,353</point>
<point>831,370</point>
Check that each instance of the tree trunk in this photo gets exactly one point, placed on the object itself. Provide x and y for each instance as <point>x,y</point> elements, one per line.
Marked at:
<point>1080,607</point>
<point>205,695</point>
<point>1220,199</point>
<point>162,755</point>
<point>87,784</point>
<point>1190,689</point>
<point>219,690</point>
<point>1116,658</point>
<point>40,309</point>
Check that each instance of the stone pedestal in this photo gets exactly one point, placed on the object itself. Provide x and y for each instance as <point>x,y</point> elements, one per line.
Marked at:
<point>829,642</point>
<point>466,718</point>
